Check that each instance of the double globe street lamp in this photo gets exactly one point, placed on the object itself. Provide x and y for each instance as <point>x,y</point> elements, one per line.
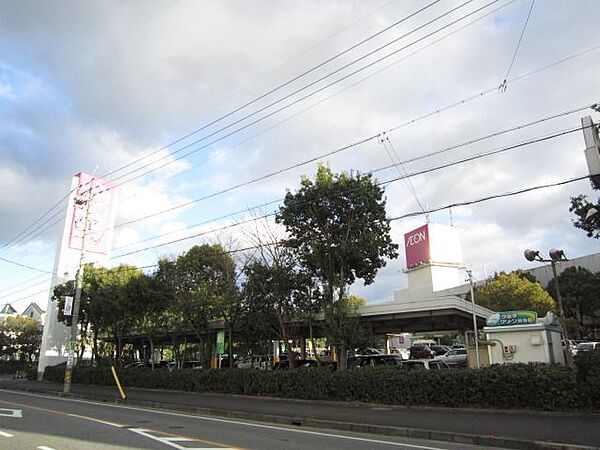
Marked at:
<point>556,256</point>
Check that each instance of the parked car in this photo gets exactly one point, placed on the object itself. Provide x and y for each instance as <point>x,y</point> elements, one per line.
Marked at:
<point>439,349</point>
<point>374,360</point>
<point>427,364</point>
<point>421,352</point>
<point>586,347</point>
<point>454,357</point>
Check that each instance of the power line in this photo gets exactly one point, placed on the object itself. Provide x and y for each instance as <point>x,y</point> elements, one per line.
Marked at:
<point>292,103</point>
<point>493,197</point>
<point>419,213</point>
<point>425,47</point>
<point>280,86</point>
<point>432,169</point>
<point>24,289</point>
<point>23,265</point>
<point>436,111</point>
<point>341,149</point>
<point>502,87</point>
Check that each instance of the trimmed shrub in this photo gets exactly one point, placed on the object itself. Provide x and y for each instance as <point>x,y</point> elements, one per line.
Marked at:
<point>523,386</point>
<point>588,378</point>
<point>11,367</point>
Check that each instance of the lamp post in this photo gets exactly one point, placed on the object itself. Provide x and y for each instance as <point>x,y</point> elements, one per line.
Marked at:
<point>555,257</point>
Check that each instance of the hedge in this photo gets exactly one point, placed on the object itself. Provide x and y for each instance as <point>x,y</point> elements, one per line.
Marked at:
<point>523,386</point>
<point>12,366</point>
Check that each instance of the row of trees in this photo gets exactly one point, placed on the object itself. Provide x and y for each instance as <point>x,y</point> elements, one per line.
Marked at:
<point>336,232</point>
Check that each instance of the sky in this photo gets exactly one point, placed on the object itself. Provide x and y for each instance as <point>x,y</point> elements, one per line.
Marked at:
<point>223,93</point>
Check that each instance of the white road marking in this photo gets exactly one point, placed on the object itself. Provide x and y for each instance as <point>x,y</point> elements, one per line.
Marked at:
<point>235,422</point>
<point>170,441</point>
<point>3,434</point>
<point>5,412</point>
<point>43,447</point>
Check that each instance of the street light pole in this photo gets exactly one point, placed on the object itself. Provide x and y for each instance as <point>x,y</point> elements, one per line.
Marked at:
<point>555,257</point>
<point>77,299</point>
<point>470,274</point>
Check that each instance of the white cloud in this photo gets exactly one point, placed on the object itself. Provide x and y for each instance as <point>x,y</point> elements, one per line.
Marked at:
<point>104,83</point>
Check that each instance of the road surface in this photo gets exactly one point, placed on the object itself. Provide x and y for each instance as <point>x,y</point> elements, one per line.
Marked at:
<point>34,421</point>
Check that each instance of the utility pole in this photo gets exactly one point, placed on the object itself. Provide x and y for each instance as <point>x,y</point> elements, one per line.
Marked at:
<point>78,286</point>
<point>470,274</point>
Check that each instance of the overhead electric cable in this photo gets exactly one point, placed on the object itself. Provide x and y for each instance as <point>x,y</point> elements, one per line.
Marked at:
<point>393,155</point>
<point>493,197</point>
<point>23,289</point>
<point>460,102</point>
<point>502,87</point>
<point>421,172</point>
<point>21,283</point>
<point>292,103</point>
<point>23,265</point>
<point>425,47</point>
<point>9,242</point>
<point>282,85</point>
<point>354,144</point>
<point>419,213</point>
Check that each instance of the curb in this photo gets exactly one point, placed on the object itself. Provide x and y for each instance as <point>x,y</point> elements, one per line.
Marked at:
<point>416,433</point>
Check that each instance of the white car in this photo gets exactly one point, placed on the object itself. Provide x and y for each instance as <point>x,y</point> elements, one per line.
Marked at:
<point>454,357</point>
<point>427,364</point>
<point>586,347</point>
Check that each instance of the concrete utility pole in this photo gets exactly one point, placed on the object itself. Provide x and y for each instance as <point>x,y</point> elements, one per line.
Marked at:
<point>78,286</point>
<point>470,274</point>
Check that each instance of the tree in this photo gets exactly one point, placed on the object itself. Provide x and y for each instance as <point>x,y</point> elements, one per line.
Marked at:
<point>506,292</point>
<point>580,206</point>
<point>276,296</point>
<point>580,290</point>
<point>205,289</point>
<point>20,336</point>
<point>106,304</point>
<point>338,227</point>
<point>343,327</point>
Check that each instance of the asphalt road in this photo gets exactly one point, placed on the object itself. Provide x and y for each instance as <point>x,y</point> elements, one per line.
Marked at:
<point>33,421</point>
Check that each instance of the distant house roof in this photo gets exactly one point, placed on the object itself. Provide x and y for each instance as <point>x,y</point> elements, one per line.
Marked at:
<point>8,309</point>
<point>34,305</point>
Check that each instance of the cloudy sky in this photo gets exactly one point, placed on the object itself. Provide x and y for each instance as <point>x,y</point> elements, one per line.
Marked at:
<point>92,85</point>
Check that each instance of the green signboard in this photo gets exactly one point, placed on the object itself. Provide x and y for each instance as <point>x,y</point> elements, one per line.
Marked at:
<point>220,342</point>
<point>508,318</point>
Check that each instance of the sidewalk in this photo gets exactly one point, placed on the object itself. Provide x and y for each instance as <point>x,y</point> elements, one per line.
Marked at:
<point>489,428</point>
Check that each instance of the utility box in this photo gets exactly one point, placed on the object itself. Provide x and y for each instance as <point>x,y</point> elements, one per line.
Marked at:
<point>520,337</point>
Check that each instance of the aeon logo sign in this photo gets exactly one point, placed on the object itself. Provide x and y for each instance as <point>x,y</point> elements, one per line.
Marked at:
<point>416,244</point>
<point>414,239</point>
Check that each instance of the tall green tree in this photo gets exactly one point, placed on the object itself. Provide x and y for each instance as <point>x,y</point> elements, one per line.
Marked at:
<point>580,290</point>
<point>337,225</point>
<point>512,291</point>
